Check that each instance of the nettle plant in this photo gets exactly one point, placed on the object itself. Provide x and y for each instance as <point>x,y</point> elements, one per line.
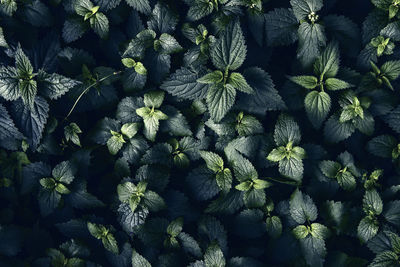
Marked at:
<point>149,133</point>
<point>317,103</point>
<point>303,23</point>
<point>288,154</point>
<point>87,16</point>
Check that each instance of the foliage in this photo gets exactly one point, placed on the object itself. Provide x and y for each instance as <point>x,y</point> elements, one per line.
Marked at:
<point>199,133</point>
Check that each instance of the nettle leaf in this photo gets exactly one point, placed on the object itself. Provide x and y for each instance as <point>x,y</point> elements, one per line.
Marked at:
<point>317,105</point>
<point>183,84</point>
<point>281,27</point>
<point>302,208</point>
<point>140,5</point>
<point>230,50</point>
<point>311,41</point>
<point>286,130</point>
<point>265,96</point>
<point>31,121</point>
<point>9,134</point>
<point>214,256</point>
<point>220,99</point>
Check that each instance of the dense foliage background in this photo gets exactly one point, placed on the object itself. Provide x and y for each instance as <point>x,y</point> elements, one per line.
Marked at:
<point>202,133</point>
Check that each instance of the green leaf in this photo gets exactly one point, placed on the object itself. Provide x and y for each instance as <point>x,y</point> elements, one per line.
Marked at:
<point>73,29</point>
<point>55,85</point>
<point>214,161</point>
<point>336,131</point>
<point>314,250</point>
<point>154,99</point>
<point>385,259</point>
<point>265,96</point>
<point>300,232</point>
<point>141,6</point>
<point>71,132</point>
<point>169,45</point>
<point>22,62</point>
<point>308,82</point>
<point>244,186</point>
<point>128,62</point>
<point>96,230</point>
<point>327,64</point>
<point>230,50</point>
<point>302,208</point>
<point>291,168</point>
<point>277,154</point>
<point>224,179</point>
<point>153,201</point>
<point>302,8</point>
<point>239,83</point>
<point>130,129</point>
<point>200,9</point>
<point>183,84</point>
<point>9,85</point>
<point>244,169</point>
<point>372,202</point>
<point>329,168</point>
<point>28,91</point>
<point>317,105</point>
<point>319,231</point>
<point>311,40</point>
<point>175,227</point>
<point>110,243</point>
<point>382,146</point>
<point>391,69</point>
<point>220,99</point>
<point>281,27</point>
<point>274,226</point>
<point>212,77</point>
<point>214,257</point>
<point>261,184</point>
<point>99,24</point>
<point>114,144</point>
<point>62,189</point>
<point>346,180</point>
<point>64,172</point>
<point>336,84</point>
<point>254,198</point>
<point>367,229</point>
<point>286,130</point>
<point>138,260</point>
<point>125,191</point>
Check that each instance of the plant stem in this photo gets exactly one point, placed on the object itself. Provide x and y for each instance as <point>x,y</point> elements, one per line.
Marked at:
<point>87,89</point>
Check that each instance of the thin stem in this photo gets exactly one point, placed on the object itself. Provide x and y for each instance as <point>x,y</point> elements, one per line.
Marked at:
<point>87,89</point>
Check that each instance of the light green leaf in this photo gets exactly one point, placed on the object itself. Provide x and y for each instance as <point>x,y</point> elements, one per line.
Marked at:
<point>154,99</point>
<point>110,243</point>
<point>114,144</point>
<point>239,83</point>
<point>212,77</point>
<point>214,257</point>
<point>336,84</point>
<point>308,82</point>
<point>277,154</point>
<point>214,161</point>
<point>300,232</point>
